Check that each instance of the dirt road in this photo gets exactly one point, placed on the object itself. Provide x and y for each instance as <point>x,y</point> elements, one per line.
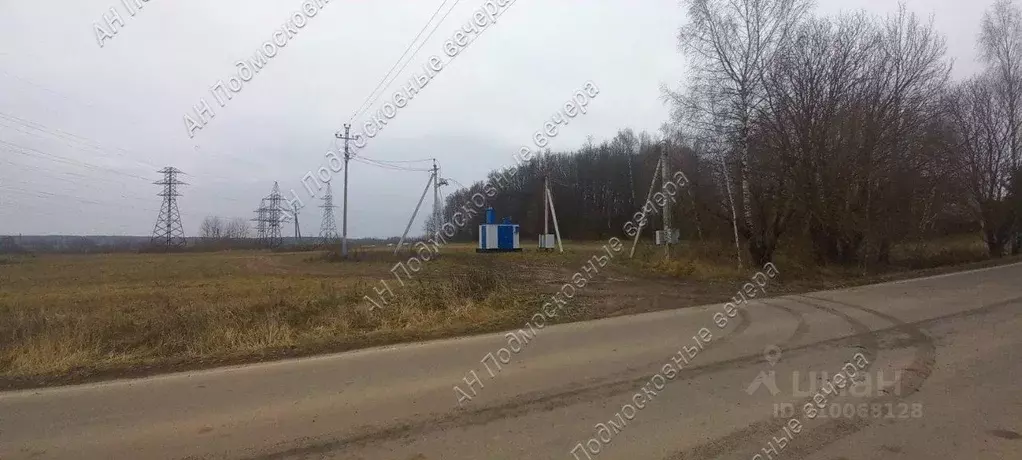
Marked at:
<point>937,360</point>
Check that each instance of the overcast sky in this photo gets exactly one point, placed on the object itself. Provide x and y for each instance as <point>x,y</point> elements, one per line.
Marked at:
<point>83,129</point>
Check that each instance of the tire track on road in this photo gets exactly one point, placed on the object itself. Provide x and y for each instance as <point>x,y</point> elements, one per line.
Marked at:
<point>801,329</point>
<point>593,390</point>
<point>570,395</point>
<point>805,444</point>
<point>752,435</point>
<point>910,382</point>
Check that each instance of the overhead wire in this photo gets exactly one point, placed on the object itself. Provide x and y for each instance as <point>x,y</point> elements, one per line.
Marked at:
<point>46,195</point>
<point>93,145</point>
<point>66,143</point>
<point>85,140</point>
<point>37,129</point>
<point>388,166</point>
<point>365,107</point>
<point>398,73</point>
<point>380,160</point>
<point>456,182</point>
<point>28,151</point>
<point>56,132</point>
<point>81,102</point>
<point>39,212</point>
<point>96,146</point>
<point>121,194</point>
<point>54,173</point>
<point>407,48</point>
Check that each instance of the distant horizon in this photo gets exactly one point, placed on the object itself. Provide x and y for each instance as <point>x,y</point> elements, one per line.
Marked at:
<point>37,235</point>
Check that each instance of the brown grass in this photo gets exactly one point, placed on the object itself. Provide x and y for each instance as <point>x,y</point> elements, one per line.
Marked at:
<point>66,318</point>
<point>74,314</point>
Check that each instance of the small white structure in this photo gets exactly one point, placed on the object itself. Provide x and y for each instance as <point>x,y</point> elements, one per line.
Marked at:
<point>669,236</point>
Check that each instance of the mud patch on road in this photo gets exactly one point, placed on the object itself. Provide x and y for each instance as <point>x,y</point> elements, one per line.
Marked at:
<point>1005,434</point>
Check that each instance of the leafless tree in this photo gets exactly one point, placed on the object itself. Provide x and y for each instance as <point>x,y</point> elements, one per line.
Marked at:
<point>984,146</point>
<point>213,228</point>
<point>237,229</point>
<point>217,229</point>
<point>731,45</point>
<point>1000,47</point>
<point>879,162</point>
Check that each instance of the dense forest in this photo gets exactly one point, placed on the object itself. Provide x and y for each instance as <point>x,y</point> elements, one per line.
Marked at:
<point>846,134</point>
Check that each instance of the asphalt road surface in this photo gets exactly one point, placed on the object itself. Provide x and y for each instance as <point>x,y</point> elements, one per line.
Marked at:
<point>940,359</point>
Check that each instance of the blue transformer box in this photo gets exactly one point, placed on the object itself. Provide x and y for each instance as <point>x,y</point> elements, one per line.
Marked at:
<point>494,237</point>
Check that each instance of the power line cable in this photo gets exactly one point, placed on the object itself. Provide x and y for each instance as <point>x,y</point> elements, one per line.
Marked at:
<point>29,82</point>
<point>96,146</point>
<point>30,184</point>
<point>394,77</point>
<point>214,179</point>
<point>388,166</point>
<point>424,160</point>
<point>63,141</point>
<point>407,48</point>
<point>456,182</point>
<point>60,133</point>
<point>93,144</point>
<point>27,151</point>
<point>53,173</point>
<point>47,195</point>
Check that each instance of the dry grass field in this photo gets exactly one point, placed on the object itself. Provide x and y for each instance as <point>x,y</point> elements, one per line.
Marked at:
<point>71,318</point>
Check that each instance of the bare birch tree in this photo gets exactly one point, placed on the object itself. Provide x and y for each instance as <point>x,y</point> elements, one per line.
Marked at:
<point>731,45</point>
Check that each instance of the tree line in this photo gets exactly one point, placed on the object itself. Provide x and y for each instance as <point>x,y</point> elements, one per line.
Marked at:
<point>844,133</point>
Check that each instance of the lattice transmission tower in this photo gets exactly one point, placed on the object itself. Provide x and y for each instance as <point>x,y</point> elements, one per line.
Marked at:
<point>260,221</point>
<point>328,227</point>
<point>168,230</point>
<point>270,216</point>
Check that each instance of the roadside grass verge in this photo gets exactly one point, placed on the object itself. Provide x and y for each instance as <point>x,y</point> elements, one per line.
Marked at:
<point>74,318</point>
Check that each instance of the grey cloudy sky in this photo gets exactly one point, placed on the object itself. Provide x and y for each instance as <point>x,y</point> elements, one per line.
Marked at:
<point>83,129</point>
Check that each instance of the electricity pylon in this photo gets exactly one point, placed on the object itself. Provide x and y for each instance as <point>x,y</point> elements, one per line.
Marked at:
<point>328,227</point>
<point>168,230</point>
